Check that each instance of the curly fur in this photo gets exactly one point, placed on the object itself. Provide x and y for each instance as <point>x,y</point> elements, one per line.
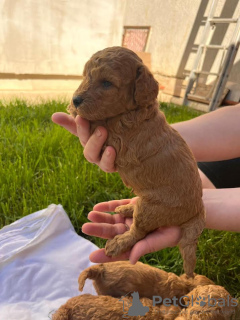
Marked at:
<point>209,311</point>
<point>120,93</point>
<point>88,307</point>
<point>114,280</point>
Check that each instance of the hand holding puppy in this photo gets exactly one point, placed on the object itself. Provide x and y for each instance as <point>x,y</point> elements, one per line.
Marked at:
<point>103,224</point>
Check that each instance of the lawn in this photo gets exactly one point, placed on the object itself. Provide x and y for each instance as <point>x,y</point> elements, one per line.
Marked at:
<point>41,163</point>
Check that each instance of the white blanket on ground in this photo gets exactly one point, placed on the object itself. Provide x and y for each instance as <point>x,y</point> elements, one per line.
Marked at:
<point>41,257</point>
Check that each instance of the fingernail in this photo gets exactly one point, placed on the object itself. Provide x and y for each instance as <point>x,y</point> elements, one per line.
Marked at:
<point>108,152</point>
<point>98,133</point>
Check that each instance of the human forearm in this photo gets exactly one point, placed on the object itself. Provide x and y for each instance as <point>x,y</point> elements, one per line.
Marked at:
<point>213,136</point>
<point>222,209</point>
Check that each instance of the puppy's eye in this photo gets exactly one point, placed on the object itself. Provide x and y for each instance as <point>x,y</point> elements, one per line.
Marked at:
<point>106,84</point>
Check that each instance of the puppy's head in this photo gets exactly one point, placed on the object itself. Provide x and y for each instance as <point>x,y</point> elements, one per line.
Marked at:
<point>114,81</point>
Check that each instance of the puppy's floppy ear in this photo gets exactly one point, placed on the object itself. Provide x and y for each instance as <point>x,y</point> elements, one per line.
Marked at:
<point>146,87</point>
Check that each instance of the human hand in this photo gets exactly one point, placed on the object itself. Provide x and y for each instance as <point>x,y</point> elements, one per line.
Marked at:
<point>107,226</point>
<point>92,144</point>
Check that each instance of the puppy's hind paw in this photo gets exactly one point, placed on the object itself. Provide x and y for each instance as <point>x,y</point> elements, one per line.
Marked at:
<point>125,210</point>
<point>111,249</point>
<point>119,244</point>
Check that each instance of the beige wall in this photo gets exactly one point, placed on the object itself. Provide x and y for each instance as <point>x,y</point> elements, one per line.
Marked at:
<point>171,23</point>
<point>44,44</point>
<point>53,37</point>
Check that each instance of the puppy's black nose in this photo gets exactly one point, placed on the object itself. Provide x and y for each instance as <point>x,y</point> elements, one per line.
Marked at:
<point>77,100</point>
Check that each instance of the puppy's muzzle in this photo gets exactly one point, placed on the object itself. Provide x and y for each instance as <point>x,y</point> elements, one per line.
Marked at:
<point>77,100</point>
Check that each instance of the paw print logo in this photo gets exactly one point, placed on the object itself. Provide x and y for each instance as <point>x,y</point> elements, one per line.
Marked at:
<point>200,301</point>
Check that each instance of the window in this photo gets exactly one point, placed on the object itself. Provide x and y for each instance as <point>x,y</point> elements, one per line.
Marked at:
<point>136,38</point>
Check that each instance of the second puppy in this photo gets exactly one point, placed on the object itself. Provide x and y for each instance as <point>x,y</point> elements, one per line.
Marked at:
<point>116,279</point>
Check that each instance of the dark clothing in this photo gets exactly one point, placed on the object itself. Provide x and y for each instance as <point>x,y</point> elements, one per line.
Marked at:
<point>223,174</point>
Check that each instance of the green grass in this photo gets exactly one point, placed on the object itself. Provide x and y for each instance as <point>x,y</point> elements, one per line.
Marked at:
<point>41,163</point>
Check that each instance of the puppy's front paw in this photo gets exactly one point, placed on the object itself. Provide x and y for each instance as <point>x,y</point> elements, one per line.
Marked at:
<point>125,210</point>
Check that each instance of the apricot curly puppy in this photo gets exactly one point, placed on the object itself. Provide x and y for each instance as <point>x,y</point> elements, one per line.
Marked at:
<point>119,93</point>
<point>88,307</point>
<point>219,305</point>
<point>116,279</point>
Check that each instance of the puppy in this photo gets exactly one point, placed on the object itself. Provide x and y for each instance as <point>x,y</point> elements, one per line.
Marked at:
<point>116,279</point>
<point>209,302</point>
<point>113,282</point>
<point>119,93</point>
<point>88,307</point>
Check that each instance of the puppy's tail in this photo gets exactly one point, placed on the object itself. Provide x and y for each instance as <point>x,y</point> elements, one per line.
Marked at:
<point>92,273</point>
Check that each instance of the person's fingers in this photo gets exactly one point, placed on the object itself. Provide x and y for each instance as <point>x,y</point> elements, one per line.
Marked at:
<point>83,130</point>
<point>155,241</point>
<point>103,230</point>
<point>94,145</point>
<point>107,161</point>
<point>110,206</point>
<point>102,217</point>
<point>66,121</point>
<point>99,256</point>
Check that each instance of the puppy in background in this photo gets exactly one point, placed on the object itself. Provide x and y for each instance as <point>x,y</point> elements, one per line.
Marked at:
<point>118,278</point>
<point>119,93</point>
<point>88,307</point>
<point>200,298</point>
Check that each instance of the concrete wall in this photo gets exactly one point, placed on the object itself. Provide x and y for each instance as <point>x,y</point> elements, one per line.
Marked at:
<point>44,44</point>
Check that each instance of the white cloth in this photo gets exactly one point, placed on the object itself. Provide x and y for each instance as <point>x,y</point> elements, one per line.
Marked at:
<point>41,257</point>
